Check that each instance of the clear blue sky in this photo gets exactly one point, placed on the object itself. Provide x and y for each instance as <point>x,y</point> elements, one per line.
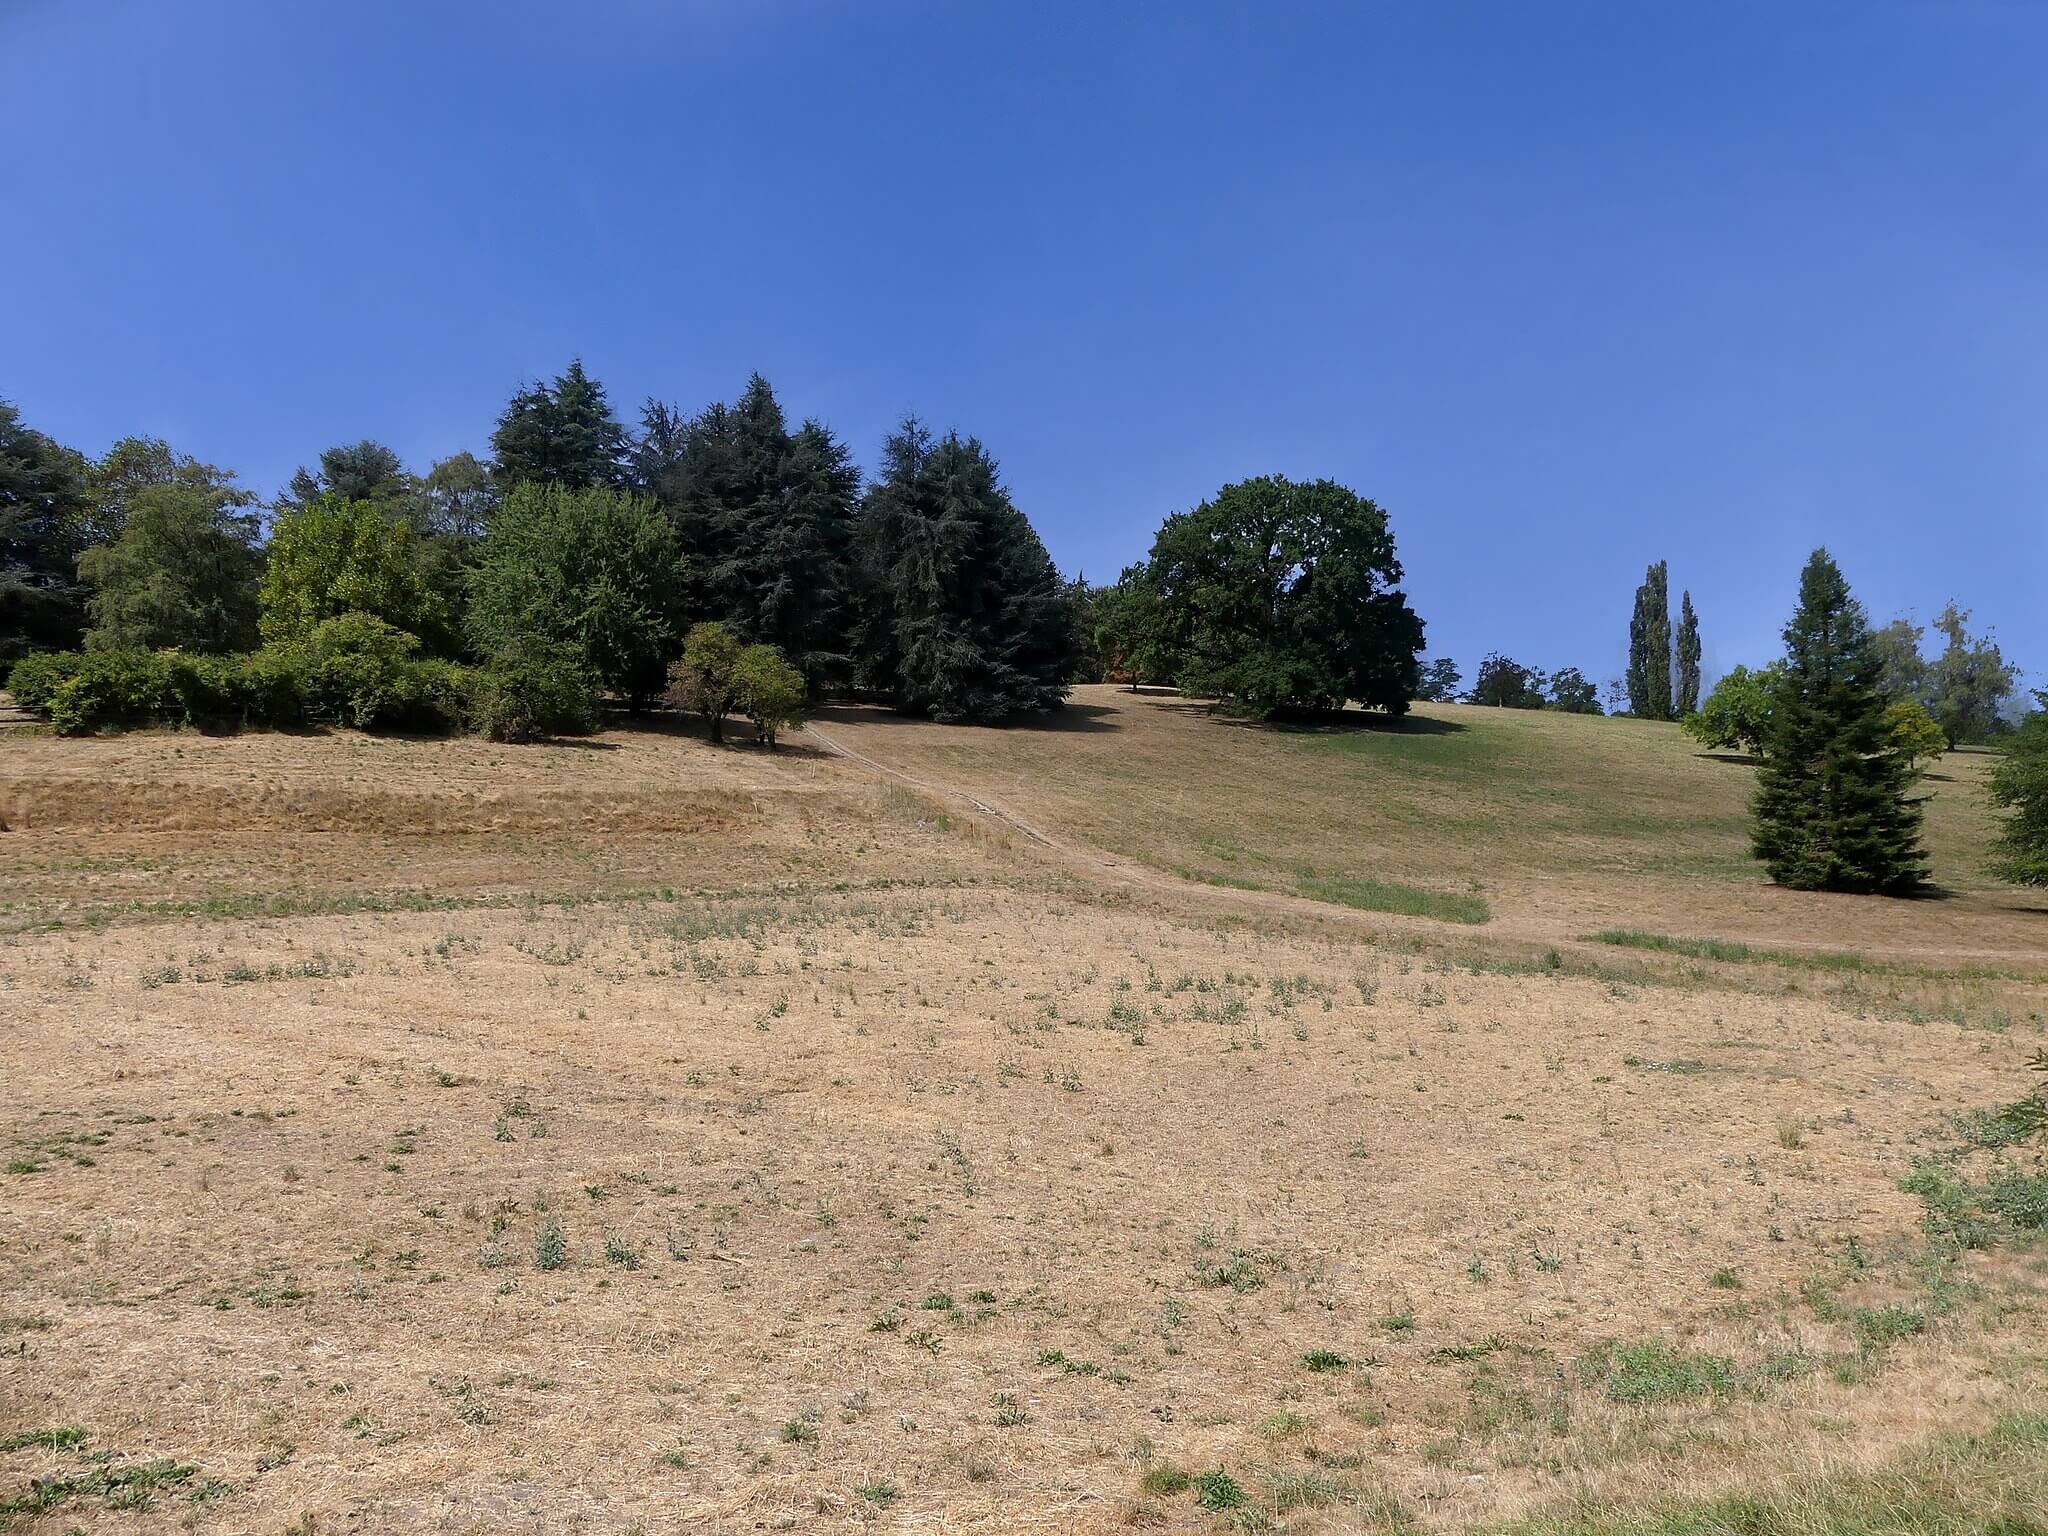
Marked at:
<point>1566,288</point>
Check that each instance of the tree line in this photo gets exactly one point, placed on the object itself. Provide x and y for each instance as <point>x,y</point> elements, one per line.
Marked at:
<point>577,560</point>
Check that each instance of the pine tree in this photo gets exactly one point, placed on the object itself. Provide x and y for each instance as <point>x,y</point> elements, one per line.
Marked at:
<point>1688,657</point>
<point>964,616</point>
<point>1649,647</point>
<point>561,434</point>
<point>1831,809</point>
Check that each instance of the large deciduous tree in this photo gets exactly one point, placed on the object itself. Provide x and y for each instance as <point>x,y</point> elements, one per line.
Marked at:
<point>183,572</point>
<point>593,567</point>
<point>330,557</point>
<point>2020,784</point>
<point>1277,594</point>
<point>1970,680</point>
<point>1832,810</point>
<point>963,615</point>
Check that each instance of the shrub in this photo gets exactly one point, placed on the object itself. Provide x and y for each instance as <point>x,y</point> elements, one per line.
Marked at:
<point>703,680</point>
<point>36,679</point>
<point>206,690</point>
<point>534,687</point>
<point>112,688</point>
<point>770,690</point>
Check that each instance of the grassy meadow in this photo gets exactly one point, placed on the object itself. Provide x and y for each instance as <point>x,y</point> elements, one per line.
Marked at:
<point>1147,1122</point>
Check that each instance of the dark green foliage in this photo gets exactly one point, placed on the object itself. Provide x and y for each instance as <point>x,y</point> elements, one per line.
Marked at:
<point>110,689</point>
<point>2019,784</point>
<point>769,691</point>
<point>360,471</point>
<point>458,499</point>
<point>705,681</point>
<point>1128,630</point>
<point>1573,692</point>
<point>593,567</point>
<point>36,679</point>
<point>1688,657</point>
<point>964,617</point>
<point>534,687</point>
<point>331,557</point>
<point>561,434</point>
<point>1439,681</point>
<point>1831,809</point>
<point>42,507</point>
<point>360,671</point>
<point>1278,594</point>
<point>1649,647</point>
<point>1505,683</point>
<point>764,517</point>
<point>182,573</point>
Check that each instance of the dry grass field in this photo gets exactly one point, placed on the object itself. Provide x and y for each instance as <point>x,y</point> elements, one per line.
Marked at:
<point>1078,1129</point>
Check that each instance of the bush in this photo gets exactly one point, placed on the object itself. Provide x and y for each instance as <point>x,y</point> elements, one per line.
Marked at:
<point>112,688</point>
<point>703,680</point>
<point>770,691</point>
<point>533,688</point>
<point>35,679</point>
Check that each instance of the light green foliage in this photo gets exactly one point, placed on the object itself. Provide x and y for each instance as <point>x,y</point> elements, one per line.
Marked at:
<point>532,688</point>
<point>591,567</point>
<point>1968,681</point>
<point>770,692</point>
<point>1913,733</point>
<point>704,681</point>
<point>1737,714</point>
<point>332,557</point>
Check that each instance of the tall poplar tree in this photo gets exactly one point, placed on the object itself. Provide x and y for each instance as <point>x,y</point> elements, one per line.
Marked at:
<point>1649,647</point>
<point>1688,657</point>
<point>1831,810</point>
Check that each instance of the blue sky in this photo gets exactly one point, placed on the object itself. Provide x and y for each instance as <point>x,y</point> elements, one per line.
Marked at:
<point>1566,288</point>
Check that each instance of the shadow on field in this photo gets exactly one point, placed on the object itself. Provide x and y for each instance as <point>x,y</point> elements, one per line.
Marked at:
<point>1072,718</point>
<point>739,734</point>
<point>1322,721</point>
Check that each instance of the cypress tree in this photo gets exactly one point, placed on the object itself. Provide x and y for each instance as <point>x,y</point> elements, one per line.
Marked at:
<point>1688,657</point>
<point>1831,810</point>
<point>964,616</point>
<point>1649,647</point>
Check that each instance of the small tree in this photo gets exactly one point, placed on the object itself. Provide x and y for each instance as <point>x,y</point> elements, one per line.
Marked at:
<point>1913,733</point>
<point>1440,679</point>
<point>704,680</point>
<point>2020,784</point>
<point>1573,692</point>
<point>181,574</point>
<point>769,690</point>
<point>1505,683</point>
<point>1738,712</point>
<point>1831,810</point>
<point>332,557</point>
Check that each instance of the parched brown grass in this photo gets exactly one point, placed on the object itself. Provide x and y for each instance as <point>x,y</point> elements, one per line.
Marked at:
<point>432,1136</point>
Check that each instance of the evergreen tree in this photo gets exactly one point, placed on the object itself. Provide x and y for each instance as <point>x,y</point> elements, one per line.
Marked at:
<point>2020,784</point>
<point>562,433</point>
<point>1440,680</point>
<point>42,506</point>
<point>1649,647</point>
<point>1831,809</point>
<point>1688,657</point>
<point>964,616</point>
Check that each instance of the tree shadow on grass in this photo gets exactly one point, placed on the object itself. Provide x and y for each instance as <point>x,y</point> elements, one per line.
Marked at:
<point>1319,722</point>
<point>1073,718</point>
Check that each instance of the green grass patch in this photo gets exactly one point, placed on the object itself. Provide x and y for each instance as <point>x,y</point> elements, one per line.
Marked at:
<point>1387,896</point>
<point>1653,1372</point>
<point>1734,952</point>
<point>1992,1484</point>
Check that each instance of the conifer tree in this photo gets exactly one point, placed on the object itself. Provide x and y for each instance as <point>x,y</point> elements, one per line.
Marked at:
<point>42,503</point>
<point>1688,657</point>
<point>1831,810</point>
<point>965,616</point>
<point>562,433</point>
<point>1649,647</point>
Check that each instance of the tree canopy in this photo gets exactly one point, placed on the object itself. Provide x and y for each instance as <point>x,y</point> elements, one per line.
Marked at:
<point>1278,594</point>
